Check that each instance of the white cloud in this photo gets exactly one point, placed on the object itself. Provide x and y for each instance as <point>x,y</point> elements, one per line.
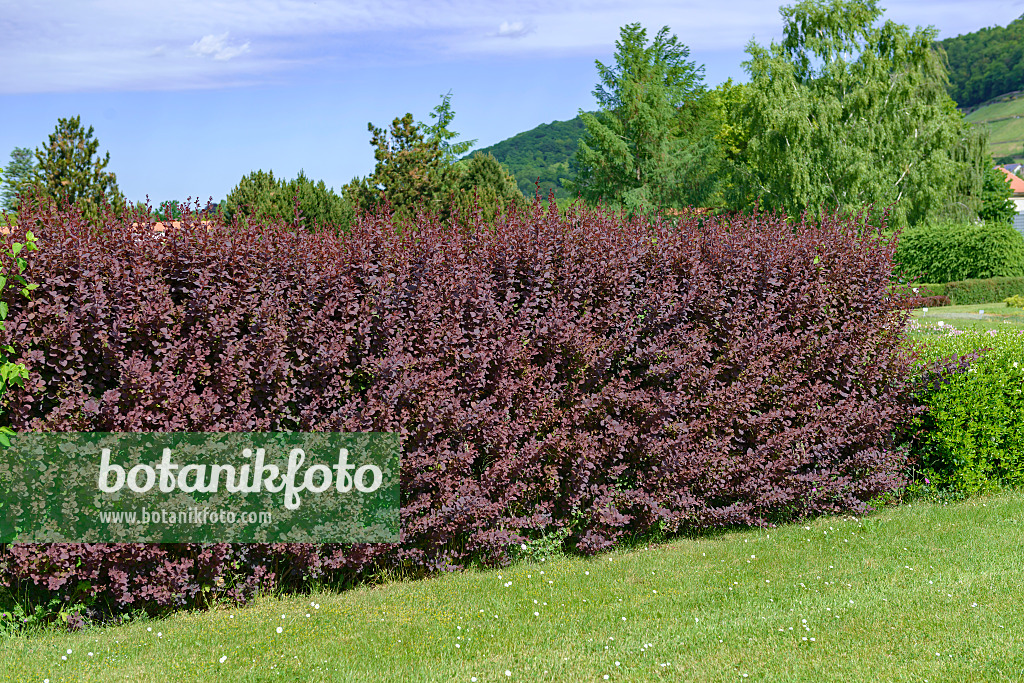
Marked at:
<point>217,47</point>
<point>515,29</point>
<point>61,45</point>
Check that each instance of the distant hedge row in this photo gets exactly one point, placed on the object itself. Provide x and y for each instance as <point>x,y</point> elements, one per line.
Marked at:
<point>576,375</point>
<point>966,292</point>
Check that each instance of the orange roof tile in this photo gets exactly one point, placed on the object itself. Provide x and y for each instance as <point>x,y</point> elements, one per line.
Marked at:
<point>1016,184</point>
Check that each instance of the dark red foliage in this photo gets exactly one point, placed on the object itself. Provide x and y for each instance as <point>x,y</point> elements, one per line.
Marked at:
<point>927,301</point>
<point>606,376</point>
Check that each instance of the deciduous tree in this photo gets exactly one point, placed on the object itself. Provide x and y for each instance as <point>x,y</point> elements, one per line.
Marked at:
<point>843,113</point>
<point>996,205</point>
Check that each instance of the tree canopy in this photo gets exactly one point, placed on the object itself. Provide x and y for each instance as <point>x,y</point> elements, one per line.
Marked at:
<point>261,196</point>
<point>438,131</point>
<point>996,203</point>
<point>70,171</point>
<point>843,113</point>
<point>416,172</point>
<point>649,146</point>
<point>408,174</point>
<point>15,176</point>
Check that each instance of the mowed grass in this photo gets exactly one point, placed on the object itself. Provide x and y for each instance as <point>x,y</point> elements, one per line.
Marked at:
<point>1005,123</point>
<point>920,592</point>
<point>992,316</point>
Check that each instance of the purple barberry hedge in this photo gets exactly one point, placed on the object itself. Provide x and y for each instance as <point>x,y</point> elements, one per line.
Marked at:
<point>584,374</point>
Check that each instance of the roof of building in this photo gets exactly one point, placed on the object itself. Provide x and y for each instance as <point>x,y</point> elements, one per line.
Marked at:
<point>1016,184</point>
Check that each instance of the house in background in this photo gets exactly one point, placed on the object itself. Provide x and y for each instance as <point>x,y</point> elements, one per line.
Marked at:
<point>1015,169</point>
<point>1017,197</point>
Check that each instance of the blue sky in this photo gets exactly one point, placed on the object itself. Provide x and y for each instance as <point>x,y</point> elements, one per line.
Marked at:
<point>189,96</point>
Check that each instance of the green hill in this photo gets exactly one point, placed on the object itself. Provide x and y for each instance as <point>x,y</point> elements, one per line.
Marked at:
<point>985,64</point>
<point>544,152</point>
<point>1004,118</point>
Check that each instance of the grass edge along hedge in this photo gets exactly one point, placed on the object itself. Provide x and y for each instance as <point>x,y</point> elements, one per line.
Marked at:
<point>579,376</point>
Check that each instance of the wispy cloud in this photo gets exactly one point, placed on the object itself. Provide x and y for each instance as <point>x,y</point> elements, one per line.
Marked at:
<point>61,45</point>
<point>217,47</point>
<point>515,29</point>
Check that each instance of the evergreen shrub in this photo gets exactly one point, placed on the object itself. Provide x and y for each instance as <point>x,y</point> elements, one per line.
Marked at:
<point>984,291</point>
<point>947,252</point>
<point>576,376</point>
<point>972,437</point>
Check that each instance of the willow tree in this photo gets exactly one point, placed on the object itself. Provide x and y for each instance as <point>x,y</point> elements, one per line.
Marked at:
<point>845,112</point>
<point>652,143</point>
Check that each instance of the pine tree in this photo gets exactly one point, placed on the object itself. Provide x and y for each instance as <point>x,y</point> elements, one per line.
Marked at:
<point>416,172</point>
<point>16,175</point>
<point>71,172</point>
<point>261,196</point>
<point>409,175</point>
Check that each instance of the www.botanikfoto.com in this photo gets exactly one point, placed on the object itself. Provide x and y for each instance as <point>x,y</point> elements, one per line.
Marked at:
<point>194,516</point>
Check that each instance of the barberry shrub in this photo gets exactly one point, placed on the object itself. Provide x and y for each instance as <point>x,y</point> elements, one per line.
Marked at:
<point>573,375</point>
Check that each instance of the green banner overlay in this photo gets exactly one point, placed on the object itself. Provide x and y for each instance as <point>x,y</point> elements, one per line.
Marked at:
<point>200,488</point>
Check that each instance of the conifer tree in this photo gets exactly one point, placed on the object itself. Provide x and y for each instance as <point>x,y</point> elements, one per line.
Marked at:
<point>16,175</point>
<point>653,143</point>
<point>70,170</point>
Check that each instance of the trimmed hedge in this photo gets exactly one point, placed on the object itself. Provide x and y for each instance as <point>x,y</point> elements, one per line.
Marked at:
<point>920,296</point>
<point>988,291</point>
<point>965,292</point>
<point>949,252</point>
<point>972,437</point>
<point>578,375</point>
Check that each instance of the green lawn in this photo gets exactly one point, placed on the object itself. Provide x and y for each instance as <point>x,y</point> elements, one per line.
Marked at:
<point>1005,122</point>
<point>995,316</point>
<point>920,592</point>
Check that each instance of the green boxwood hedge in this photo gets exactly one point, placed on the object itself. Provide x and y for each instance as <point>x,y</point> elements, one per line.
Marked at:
<point>972,437</point>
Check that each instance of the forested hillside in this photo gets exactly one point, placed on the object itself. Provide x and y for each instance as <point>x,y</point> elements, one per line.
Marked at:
<point>986,63</point>
<point>545,152</point>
